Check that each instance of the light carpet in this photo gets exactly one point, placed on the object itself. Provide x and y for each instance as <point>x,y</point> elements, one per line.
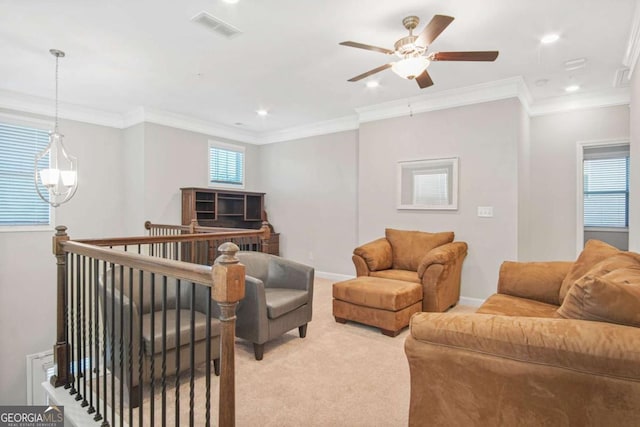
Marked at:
<point>339,375</point>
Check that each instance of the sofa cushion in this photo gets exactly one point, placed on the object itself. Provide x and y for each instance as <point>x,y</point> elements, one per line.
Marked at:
<point>594,251</point>
<point>508,305</point>
<point>404,275</point>
<point>409,247</point>
<point>613,297</point>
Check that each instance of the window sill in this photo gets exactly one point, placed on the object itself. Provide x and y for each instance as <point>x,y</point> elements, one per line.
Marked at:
<point>608,229</point>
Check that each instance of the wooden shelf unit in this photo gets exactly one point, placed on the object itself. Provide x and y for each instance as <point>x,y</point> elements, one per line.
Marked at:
<point>225,208</point>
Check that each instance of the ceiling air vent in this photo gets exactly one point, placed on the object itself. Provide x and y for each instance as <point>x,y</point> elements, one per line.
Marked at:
<point>216,25</point>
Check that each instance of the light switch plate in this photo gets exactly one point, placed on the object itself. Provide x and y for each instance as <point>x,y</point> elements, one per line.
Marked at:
<point>485,211</point>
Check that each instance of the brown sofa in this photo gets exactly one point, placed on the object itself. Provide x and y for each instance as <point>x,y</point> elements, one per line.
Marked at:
<point>559,344</point>
<point>433,260</point>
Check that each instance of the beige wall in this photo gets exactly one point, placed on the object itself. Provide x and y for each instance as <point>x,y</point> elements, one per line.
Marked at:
<point>27,265</point>
<point>165,160</point>
<point>485,138</point>
<point>311,198</point>
<point>634,178</point>
<point>554,141</point>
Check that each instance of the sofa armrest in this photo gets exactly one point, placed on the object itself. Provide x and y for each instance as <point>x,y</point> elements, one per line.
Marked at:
<point>595,348</point>
<point>284,273</point>
<point>539,281</point>
<point>445,254</point>
<point>377,254</point>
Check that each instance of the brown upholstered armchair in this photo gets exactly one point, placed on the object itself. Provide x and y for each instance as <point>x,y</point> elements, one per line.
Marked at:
<point>432,259</point>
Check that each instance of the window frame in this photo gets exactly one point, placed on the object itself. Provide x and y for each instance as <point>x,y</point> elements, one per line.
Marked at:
<point>40,124</point>
<point>580,147</point>
<point>228,147</point>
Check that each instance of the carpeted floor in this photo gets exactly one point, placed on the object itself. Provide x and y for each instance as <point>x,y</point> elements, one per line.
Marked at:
<point>339,375</point>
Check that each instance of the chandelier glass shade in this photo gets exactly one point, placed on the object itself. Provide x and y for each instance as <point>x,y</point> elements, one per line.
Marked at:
<point>56,171</point>
<point>411,67</point>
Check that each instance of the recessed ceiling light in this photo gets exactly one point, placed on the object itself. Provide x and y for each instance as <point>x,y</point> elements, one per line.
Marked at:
<point>262,112</point>
<point>373,83</point>
<point>572,88</point>
<point>231,1</point>
<point>550,38</point>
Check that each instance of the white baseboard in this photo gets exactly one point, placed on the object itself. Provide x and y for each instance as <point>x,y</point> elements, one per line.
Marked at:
<point>473,302</point>
<point>333,276</point>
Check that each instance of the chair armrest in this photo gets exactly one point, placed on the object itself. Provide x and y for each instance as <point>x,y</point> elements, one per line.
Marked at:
<point>251,314</point>
<point>445,254</point>
<point>284,273</point>
<point>377,255</point>
<point>589,347</point>
<point>539,281</point>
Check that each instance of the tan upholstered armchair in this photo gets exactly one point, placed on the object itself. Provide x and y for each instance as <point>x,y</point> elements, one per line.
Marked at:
<point>432,259</point>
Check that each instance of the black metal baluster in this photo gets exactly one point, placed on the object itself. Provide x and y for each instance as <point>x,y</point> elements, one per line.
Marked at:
<point>83,322</point>
<point>78,320</point>
<point>192,339</point>
<point>130,349</point>
<point>72,334</point>
<point>178,307</point>
<point>105,421</point>
<point>112,349</point>
<point>68,274</point>
<point>93,274</point>
<point>208,359</point>
<point>164,350</point>
<point>120,347</point>
<point>140,349</point>
<point>153,349</point>
<point>97,416</point>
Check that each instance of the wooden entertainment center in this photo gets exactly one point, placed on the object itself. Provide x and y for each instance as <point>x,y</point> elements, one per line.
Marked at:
<point>226,208</point>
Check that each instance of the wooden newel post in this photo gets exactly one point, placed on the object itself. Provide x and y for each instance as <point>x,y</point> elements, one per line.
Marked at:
<point>266,236</point>
<point>228,289</point>
<point>61,347</point>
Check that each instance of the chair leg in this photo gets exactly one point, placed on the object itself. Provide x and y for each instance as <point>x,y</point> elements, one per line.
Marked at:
<point>258,351</point>
<point>302,330</point>
<point>216,367</point>
<point>134,398</point>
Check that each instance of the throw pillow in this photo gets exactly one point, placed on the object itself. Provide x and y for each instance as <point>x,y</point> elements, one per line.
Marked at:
<point>594,251</point>
<point>409,247</point>
<point>613,297</point>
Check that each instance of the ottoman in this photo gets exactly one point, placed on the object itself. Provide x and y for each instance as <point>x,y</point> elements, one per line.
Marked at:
<point>384,303</point>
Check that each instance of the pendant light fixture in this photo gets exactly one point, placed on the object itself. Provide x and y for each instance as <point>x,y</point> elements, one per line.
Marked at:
<point>60,175</point>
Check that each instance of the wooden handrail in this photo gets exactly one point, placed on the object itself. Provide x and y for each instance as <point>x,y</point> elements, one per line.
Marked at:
<point>142,240</point>
<point>181,270</point>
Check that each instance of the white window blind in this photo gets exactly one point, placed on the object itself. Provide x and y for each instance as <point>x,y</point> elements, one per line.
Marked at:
<point>226,165</point>
<point>606,187</point>
<point>19,201</point>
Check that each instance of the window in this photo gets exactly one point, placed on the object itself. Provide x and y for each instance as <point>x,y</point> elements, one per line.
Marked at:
<point>21,205</point>
<point>226,165</point>
<point>428,184</point>
<point>606,187</point>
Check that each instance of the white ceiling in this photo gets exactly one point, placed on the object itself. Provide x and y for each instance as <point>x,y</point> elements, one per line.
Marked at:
<point>127,54</point>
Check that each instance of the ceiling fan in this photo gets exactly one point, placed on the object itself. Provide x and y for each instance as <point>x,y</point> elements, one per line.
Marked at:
<point>412,49</point>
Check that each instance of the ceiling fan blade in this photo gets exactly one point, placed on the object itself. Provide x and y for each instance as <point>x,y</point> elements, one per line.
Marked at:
<point>433,29</point>
<point>370,72</point>
<point>368,47</point>
<point>424,80</point>
<point>489,55</point>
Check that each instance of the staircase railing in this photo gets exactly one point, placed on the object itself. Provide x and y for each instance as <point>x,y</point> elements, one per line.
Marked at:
<point>134,324</point>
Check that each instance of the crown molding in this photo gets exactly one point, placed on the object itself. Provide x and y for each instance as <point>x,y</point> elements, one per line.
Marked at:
<point>179,121</point>
<point>475,94</point>
<point>326,127</point>
<point>492,91</point>
<point>46,107</point>
<point>607,98</point>
<point>633,45</point>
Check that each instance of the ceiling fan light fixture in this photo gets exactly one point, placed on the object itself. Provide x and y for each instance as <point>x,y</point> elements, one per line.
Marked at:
<point>410,68</point>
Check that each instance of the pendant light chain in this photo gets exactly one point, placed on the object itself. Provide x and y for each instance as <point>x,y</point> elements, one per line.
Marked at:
<point>55,128</point>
